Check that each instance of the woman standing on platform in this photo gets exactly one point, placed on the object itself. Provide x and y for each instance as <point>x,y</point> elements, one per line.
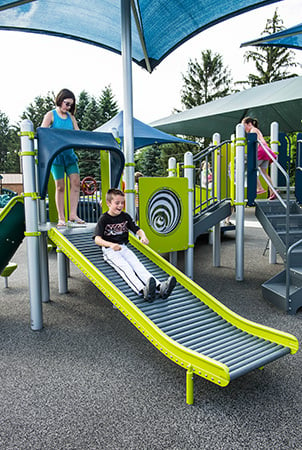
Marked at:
<point>67,162</point>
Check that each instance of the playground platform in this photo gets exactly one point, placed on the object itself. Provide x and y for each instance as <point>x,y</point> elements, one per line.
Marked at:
<point>90,380</point>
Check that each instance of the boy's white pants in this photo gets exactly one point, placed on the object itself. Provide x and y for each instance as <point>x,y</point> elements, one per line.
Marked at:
<point>126,263</point>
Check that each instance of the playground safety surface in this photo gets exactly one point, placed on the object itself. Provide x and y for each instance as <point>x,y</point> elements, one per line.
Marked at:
<point>90,380</point>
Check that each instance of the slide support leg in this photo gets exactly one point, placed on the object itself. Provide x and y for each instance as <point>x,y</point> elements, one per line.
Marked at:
<point>190,386</point>
<point>62,272</point>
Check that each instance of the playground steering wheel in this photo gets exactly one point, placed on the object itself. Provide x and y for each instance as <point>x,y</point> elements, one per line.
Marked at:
<point>88,185</point>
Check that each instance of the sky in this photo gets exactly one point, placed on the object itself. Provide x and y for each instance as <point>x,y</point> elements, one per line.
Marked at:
<point>33,65</point>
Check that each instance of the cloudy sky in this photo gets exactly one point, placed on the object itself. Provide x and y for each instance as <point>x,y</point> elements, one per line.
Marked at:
<point>33,65</point>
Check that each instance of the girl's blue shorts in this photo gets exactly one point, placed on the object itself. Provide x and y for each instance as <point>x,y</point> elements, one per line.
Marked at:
<point>58,170</point>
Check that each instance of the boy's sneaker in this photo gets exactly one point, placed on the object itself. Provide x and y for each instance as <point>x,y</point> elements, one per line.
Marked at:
<point>149,290</point>
<point>166,287</point>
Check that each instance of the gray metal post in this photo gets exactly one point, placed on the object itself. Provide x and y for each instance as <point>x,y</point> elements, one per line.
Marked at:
<point>274,144</point>
<point>274,176</point>
<point>128,143</point>
<point>189,254</point>
<point>44,268</point>
<point>240,149</point>
<point>172,173</point>
<point>217,186</point>
<point>31,223</point>
<point>62,272</point>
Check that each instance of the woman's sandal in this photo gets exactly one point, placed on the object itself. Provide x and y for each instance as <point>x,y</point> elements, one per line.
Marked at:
<point>76,222</point>
<point>261,191</point>
<point>61,224</point>
<point>274,196</point>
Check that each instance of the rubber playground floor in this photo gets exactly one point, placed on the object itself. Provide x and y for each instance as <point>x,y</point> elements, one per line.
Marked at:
<point>90,380</point>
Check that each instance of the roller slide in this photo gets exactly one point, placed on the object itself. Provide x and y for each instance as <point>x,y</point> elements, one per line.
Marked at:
<point>191,327</point>
<point>12,227</point>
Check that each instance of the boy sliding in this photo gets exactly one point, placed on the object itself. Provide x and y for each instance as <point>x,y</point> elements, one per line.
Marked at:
<point>112,234</point>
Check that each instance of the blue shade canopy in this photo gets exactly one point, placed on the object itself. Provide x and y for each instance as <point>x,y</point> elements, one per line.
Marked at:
<point>291,38</point>
<point>53,141</point>
<point>158,26</point>
<point>144,135</point>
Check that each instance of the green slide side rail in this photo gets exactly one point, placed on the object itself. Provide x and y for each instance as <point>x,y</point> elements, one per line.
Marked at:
<point>12,227</point>
<point>10,205</point>
<point>262,331</point>
<point>192,361</point>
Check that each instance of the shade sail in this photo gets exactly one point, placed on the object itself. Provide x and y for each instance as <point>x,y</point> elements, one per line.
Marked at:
<point>280,101</point>
<point>144,135</point>
<point>158,26</point>
<point>291,38</point>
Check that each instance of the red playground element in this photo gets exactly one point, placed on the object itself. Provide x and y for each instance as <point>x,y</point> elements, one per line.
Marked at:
<point>88,185</point>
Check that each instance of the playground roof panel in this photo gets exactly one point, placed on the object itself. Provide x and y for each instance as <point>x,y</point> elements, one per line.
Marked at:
<point>280,101</point>
<point>162,25</point>
<point>292,38</point>
<point>52,141</point>
<point>144,135</point>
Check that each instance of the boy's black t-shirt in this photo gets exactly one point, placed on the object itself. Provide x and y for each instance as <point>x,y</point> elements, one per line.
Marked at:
<point>115,228</point>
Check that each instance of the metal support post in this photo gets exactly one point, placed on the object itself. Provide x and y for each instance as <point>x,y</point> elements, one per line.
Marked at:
<point>44,268</point>
<point>62,272</point>
<point>31,223</point>
<point>172,173</point>
<point>128,144</point>
<point>240,148</point>
<point>217,186</point>
<point>275,148</point>
<point>274,176</point>
<point>272,253</point>
<point>189,174</point>
<point>190,385</point>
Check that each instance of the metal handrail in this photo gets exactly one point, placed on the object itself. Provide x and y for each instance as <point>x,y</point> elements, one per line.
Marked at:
<point>199,155</point>
<point>286,206</point>
<point>286,176</point>
<point>288,256</point>
<point>203,153</point>
<point>206,155</point>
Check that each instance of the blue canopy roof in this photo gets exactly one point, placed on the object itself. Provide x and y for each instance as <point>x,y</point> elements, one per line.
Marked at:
<point>291,37</point>
<point>53,141</point>
<point>144,135</point>
<point>158,26</point>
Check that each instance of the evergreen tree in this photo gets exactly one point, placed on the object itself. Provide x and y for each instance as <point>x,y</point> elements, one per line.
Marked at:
<point>149,162</point>
<point>272,63</point>
<point>206,80</point>
<point>37,110</point>
<point>177,151</point>
<point>108,107</point>
<point>91,114</point>
<point>9,146</point>
<point>13,163</point>
<point>82,105</point>
<point>4,139</point>
<point>89,160</point>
